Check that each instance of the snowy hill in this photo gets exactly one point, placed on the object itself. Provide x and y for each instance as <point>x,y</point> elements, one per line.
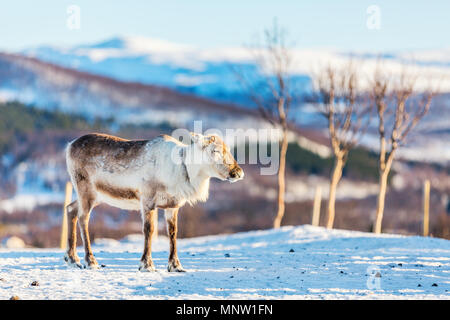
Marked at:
<point>302,262</point>
<point>52,87</point>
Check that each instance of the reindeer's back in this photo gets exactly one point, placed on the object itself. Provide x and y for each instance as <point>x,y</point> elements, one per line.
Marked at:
<point>91,152</point>
<point>96,144</point>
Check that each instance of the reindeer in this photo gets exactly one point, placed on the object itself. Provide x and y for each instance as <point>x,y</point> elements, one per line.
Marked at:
<point>142,175</point>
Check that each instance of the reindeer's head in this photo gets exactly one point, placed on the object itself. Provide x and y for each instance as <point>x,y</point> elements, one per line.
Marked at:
<point>217,158</point>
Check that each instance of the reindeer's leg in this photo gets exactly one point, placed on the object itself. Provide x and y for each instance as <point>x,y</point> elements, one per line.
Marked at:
<point>172,228</point>
<point>148,214</point>
<point>86,203</point>
<point>71,256</point>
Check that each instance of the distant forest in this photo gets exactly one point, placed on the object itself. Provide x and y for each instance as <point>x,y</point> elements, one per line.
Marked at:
<point>18,119</point>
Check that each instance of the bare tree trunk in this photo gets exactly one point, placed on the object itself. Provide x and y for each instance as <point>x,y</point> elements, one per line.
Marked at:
<point>384,174</point>
<point>380,202</point>
<point>281,178</point>
<point>337,174</point>
<point>276,59</point>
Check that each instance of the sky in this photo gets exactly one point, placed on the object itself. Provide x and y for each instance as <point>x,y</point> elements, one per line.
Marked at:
<point>393,26</point>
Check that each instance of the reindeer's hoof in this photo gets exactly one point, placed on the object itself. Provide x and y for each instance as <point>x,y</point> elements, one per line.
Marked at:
<point>91,263</point>
<point>145,267</point>
<point>175,268</point>
<point>73,261</point>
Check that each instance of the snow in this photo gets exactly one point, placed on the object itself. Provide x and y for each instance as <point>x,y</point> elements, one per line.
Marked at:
<point>29,201</point>
<point>38,183</point>
<point>324,264</point>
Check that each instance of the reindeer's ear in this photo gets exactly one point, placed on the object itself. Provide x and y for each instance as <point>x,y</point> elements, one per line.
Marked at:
<point>209,139</point>
<point>197,138</point>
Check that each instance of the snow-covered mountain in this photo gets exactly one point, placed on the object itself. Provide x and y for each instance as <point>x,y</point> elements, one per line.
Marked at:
<point>151,61</point>
<point>211,72</point>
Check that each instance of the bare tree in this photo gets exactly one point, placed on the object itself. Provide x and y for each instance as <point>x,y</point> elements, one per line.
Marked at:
<point>272,94</point>
<point>399,108</point>
<point>347,113</point>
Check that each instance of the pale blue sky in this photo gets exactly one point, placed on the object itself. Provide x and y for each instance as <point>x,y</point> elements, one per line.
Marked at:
<point>207,23</point>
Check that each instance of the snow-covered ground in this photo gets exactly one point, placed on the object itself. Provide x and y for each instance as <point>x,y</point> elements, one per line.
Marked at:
<point>302,262</point>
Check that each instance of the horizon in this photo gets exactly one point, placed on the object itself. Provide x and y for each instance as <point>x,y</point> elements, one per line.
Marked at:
<point>325,25</point>
<point>197,47</point>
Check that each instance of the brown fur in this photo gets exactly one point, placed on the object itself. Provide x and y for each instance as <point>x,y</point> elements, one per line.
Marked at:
<point>170,204</point>
<point>115,192</point>
<point>89,256</point>
<point>72,215</point>
<point>95,144</point>
<point>80,175</point>
<point>172,229</point>
<point>148,230</point>
<point>85,204</point>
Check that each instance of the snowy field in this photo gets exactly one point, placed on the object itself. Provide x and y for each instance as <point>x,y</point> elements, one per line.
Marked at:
<point>290,263</point>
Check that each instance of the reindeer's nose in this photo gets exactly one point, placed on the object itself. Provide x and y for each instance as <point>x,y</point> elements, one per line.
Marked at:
<point>237,173</point>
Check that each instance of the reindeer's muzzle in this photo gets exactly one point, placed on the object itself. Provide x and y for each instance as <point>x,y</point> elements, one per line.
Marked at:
<point>236,174</point>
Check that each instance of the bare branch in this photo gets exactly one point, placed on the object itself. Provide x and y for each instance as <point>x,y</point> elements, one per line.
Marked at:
<point>274,59</point>
<point>347,110</point>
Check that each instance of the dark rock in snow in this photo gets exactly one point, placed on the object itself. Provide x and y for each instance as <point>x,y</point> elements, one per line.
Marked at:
<point>292,250</point>
<point>434,285</point>
<point>14,298</point>
<point>35,284</point>
<point>227,255</point>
